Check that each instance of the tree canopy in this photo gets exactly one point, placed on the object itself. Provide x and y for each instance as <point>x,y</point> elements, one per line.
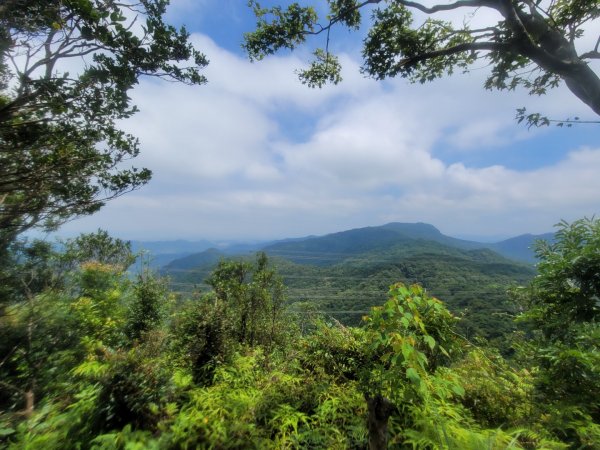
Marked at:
<point>66,69</point>
<point>534,44</point>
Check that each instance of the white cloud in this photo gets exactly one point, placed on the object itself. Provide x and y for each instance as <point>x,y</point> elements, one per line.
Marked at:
<point>198,131</point>
<point>228,166</point>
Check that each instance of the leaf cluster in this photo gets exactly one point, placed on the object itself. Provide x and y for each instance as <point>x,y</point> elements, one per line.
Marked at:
<point>533,45</point>
<point>61,151</point>
<point>194,380</point>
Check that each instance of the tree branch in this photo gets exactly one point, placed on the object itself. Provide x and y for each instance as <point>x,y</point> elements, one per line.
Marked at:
<point>591,55</point>
<point>449,7</point>
<point>471,46</point>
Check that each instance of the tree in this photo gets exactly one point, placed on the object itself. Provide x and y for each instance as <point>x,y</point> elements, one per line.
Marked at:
<point>409,337</point>
<point>97,247</point>
<point>563,308</point>
<point>253,296</point>
<point>54,306</point>
<point>66,69</point>
<point>566,291</point>
<point>534,45</point>
<point>148,306</point>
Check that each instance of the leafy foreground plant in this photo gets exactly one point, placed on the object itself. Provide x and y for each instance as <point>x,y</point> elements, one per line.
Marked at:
<point>200,377</point>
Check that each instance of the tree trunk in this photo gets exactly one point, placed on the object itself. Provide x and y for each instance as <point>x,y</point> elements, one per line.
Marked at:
<point>552,51</point>
<point>585,84</point>
<point>380,409</point>
<point>29,403</point>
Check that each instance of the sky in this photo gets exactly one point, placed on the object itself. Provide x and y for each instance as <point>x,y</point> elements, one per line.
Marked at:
<point>255,155</point>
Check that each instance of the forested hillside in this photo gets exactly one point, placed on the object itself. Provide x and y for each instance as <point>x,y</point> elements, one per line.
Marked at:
<point>93,359</point>
<point>344,274</point>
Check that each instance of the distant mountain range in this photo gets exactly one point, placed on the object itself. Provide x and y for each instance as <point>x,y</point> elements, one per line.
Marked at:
<point>332,248</point>
<point>357,240</point>
<point>161,253</point>
<point>347,272</point>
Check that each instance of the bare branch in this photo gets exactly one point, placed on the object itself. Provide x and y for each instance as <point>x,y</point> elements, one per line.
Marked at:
<point>591,55</point>
<point>470,46</point>
<point>449,7</point>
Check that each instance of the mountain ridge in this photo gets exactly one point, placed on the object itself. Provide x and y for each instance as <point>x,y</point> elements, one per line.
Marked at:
<point>348,272</point>
<point>357,240</point>
<point>343,243</point>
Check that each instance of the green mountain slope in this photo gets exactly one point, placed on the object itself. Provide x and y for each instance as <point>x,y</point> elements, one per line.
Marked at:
<point>473,283</point>
<point>520,248</point>
<point>336,247</point>
<point>342,275</point>
<point>332,248</point>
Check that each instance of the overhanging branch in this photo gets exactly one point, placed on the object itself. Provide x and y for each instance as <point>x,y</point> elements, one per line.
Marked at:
<point>466,47</point>
<point>449,7</point>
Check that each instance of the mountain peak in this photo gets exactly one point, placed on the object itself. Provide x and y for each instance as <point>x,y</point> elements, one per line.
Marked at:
<point>413,229</point>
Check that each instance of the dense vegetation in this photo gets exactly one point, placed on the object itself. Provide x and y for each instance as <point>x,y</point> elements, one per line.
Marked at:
<point>90,358</point>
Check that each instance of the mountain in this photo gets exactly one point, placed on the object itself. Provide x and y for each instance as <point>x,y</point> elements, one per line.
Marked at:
<point>521,248</point>
<point>160,253</point>
<point>208,257</point>
<point>346,273</point>
<point>429,232</point>
<point>334,248</point>
<point>171,247</point>
<point>473,283</point>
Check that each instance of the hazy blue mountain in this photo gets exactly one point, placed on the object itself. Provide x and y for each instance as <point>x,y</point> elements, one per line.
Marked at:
<point>156,261</point>
<point>160,253</point>
<point>521,248</point>
<point>210,256</point>
<point>171,247</point>
<point>337,247</point>
<point>241,248</point>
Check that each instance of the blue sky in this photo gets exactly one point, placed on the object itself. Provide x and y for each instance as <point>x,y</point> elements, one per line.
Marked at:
<point>254,154</point>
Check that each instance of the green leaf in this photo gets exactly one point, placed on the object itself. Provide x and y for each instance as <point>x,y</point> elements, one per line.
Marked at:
<point>458,390</point>
<point>407,350</point>
<point>430,341</point>
<point>413,376</point>
<point>6,432</point>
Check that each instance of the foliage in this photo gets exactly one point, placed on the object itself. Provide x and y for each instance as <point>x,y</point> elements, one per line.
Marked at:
<point>26,269</point>
<point>336,350</point>
<point>200,339</point>
<point>39,343</point>
<point>99,247</point>
<point>567,288</point>
<point>407,376</point>
<point>148,307</point>
<point>496,394</point>
<point>253,298</point>
<point>344,277</point>
<point>561,306</point>
<point>64,309</point>
<point>132,390</point>
<point>533,45</point>
<point>250,407</point>
<point>61,152</point>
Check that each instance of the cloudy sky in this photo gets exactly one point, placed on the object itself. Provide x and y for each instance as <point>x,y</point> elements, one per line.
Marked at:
<point>254,154</point>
